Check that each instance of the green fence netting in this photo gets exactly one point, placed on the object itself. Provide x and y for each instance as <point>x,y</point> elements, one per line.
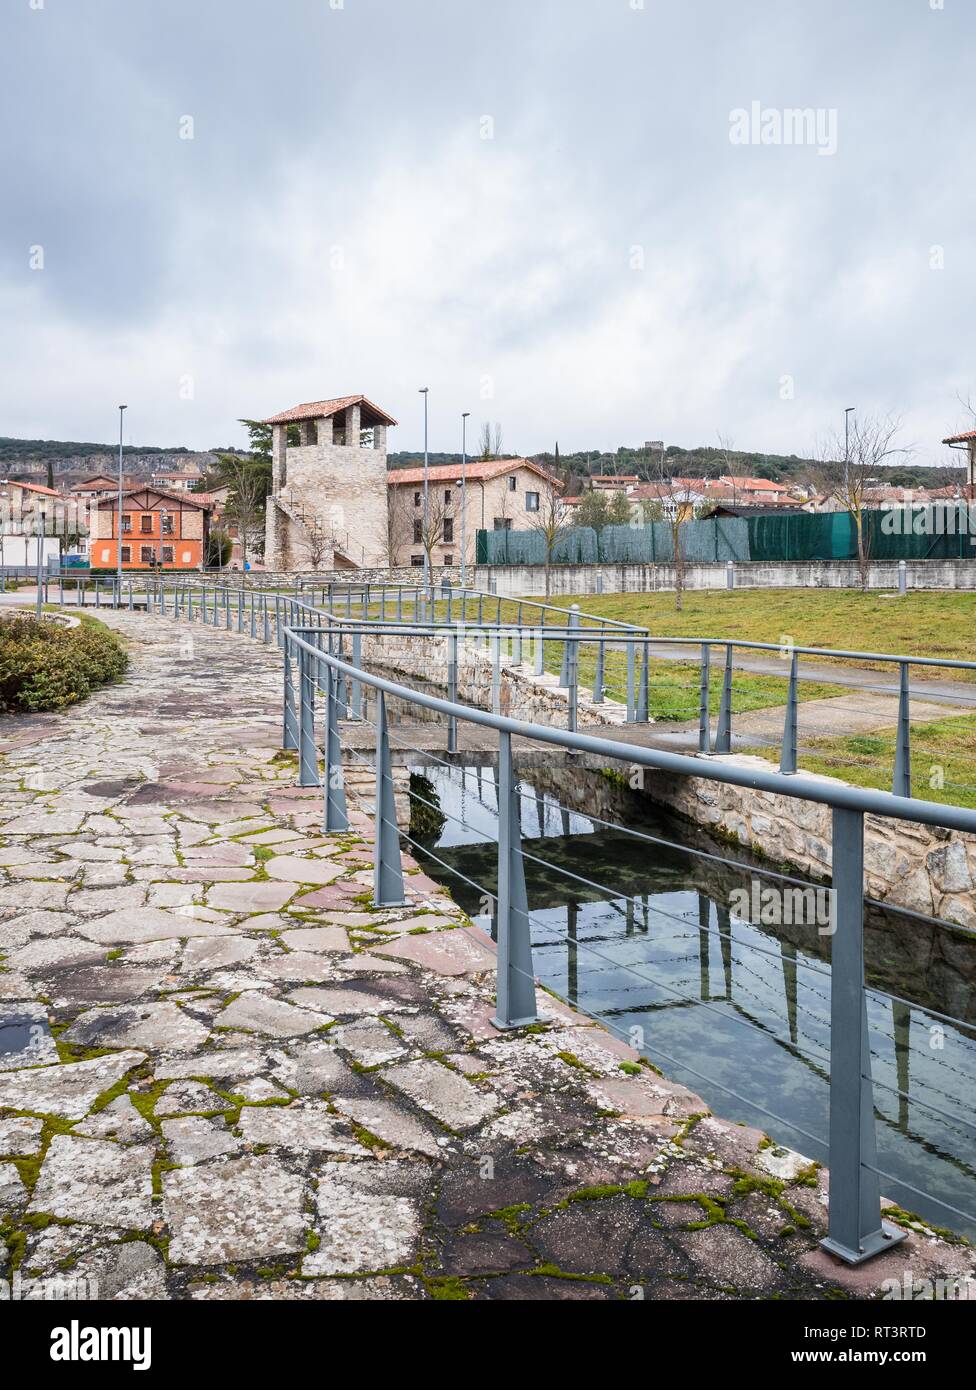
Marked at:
<point>931,532</point>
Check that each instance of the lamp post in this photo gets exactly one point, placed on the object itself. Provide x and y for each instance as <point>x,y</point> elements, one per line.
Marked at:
<point>464,497</point>
<point>40,563</point>
<point>847,449</point>
<point>424,391</point>
<point>118,533</point>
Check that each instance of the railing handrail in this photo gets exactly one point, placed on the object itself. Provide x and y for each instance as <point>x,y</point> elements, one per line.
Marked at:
<point>862,799</point>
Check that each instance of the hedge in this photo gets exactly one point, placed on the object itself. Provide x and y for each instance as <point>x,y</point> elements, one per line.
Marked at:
<point>46,666</point>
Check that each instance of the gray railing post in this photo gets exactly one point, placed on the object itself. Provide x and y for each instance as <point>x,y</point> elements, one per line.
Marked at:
<point>723,734</point>
<point>515,981</point>
<point>308,753</point>
<point>189,605</point>
<point>564,664</point>
<point>631,700</point>
<point>855,1228</point>
<point>355,687</point>
<point>787,757</point>
<point>598,675</point>
<point>130,593</point>
<point>496,674</point>
<point>572,682</point>
<point>289,736</point>
<point>452,690</point>
<point>540,652</point>
<point>227,613</point>
<point>902,782</point>
<point>902,577</point>
<point>643,688</point>
<point>335,817</point>
<point>704,694</point>
<point>254,615</point>
<point>266,619</point>
<point>388,866</point>
<point>204,610</point>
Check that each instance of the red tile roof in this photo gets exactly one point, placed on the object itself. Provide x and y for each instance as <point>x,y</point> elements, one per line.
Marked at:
<point>36,487</point>
<point>196,499</point>
<point>317,410</point>
<point>477,470</point>
<point>960,438</point>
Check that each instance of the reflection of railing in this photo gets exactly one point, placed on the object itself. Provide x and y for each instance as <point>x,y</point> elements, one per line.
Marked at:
<point>856,1228</point>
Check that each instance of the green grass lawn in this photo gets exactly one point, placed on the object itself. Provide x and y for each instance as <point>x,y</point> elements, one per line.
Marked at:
<point>943,759</point>
<point>920,624</point>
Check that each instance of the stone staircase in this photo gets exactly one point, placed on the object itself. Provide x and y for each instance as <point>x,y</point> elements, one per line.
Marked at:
<point>329,542</point>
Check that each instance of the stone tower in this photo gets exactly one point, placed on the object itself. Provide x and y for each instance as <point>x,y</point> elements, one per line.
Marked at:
<point>328,502</point>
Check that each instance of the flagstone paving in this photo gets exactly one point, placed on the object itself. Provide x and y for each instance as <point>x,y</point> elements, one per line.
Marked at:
<point>225,1075</point>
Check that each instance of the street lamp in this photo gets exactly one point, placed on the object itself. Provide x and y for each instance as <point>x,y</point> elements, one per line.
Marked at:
<point>423,392</point>
<point>118,534</point>
<point>464,499</point>
<point>40,563</point>
<point>847,449</point>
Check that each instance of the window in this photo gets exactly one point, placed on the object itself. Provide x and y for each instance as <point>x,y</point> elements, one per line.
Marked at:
<point>145,524</point>
<point>448,560</point>
<point>418,532</point>
<point>106,553</point>
<point>146,554</point>
<point>447,496</point>
<point>167,554</point>
<point>448,529</point>
<point>502,523</point>
<point>126,554</point>
<point>512,483</point>
<point>416,499</point>
<point>531,501</point>
<point>167,524</point>
<point>417,561</point>
<point>126,522</point>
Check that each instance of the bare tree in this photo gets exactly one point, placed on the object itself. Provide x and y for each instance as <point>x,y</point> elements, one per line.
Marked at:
<point>490,441</point>
<point>247,485</point>
<point>551,523</point>
<point>850,471</point>
<point>675,504</point>
<point>727,461</point>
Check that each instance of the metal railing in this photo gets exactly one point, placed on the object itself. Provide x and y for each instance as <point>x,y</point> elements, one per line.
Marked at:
<point>856,1229</point>
<point>595,659</point>
<point>316,671</point>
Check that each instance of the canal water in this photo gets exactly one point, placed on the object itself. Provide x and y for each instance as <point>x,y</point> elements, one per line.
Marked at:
<point>738,1012</point>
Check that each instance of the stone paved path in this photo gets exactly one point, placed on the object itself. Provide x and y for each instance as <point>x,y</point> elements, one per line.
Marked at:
<point>223,1075</point>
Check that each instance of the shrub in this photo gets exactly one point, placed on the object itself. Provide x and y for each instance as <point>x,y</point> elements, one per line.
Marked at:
<point>45,666</point>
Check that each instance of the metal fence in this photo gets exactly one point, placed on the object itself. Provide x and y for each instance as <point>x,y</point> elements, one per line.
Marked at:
<point>313,675</point>
<point>602,661</point>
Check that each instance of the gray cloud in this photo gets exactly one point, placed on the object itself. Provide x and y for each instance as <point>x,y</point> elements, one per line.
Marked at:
<point>608,267</point>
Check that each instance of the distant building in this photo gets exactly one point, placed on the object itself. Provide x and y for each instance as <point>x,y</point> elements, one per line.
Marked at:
<point>177,480</point>
<point>160,529</point>
<point>967,442</point>
<point>500,495</point>
<point>328,502</point>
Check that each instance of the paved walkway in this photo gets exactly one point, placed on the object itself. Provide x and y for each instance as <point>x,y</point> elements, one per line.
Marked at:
<point>224,1075</point>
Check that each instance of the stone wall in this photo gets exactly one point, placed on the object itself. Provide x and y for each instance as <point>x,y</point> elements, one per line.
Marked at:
<point>908,865</point>
<point>344,488</point>
<point>529,580</point>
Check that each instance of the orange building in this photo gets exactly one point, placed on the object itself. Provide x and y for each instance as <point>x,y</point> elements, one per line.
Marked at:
<point>160,530</point>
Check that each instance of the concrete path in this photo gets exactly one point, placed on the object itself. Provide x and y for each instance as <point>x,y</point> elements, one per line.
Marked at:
<point>225,1075</point>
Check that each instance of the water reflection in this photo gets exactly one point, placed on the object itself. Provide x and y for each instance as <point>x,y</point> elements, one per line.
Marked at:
<point>717,997</point>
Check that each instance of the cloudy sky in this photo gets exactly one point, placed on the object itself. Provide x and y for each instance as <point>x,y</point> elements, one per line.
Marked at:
<point>541,209</point>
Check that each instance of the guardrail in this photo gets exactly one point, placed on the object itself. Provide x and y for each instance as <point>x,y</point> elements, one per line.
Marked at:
<point>856,1228</point>
<point>602,658</point>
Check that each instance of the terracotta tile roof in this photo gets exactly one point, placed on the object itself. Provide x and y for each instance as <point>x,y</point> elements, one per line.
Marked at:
<point>196,499</point>
<point>36,487</point>
<point>477,471</point>
<point>960,438</point>
<point>316,410</point>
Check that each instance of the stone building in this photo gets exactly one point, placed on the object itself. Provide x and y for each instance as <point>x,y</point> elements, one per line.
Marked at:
<point>500,495</point>
<point>328,502</point>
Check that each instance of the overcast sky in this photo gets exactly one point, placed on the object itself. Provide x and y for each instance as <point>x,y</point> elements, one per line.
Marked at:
<point>537,208</point>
